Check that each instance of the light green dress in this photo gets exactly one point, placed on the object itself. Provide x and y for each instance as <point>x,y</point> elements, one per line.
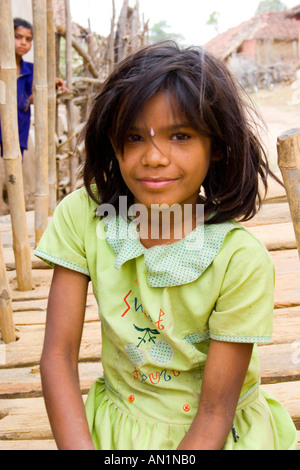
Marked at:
<point>158,309</point>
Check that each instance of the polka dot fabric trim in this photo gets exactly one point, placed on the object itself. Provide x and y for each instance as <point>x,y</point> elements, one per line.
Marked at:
<point>179,263</point>
<point>53,260</point>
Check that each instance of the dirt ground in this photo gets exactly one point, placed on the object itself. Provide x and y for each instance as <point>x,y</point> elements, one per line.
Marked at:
<point>280,109</point>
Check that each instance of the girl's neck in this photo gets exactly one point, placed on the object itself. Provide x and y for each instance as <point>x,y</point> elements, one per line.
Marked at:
<point>167,226</point>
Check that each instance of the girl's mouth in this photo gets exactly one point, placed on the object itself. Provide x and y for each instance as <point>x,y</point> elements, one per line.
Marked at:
<point>156,183</point>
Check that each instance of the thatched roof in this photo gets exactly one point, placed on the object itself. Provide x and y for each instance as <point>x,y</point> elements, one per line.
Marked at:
<point>294,12</point>
<point>266,26</point>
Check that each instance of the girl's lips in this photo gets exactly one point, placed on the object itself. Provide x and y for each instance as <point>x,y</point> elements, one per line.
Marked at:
<point>156,183</point>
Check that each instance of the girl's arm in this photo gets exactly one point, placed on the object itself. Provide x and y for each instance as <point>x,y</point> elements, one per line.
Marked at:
<point>59,361</point>
<point>223,378</point>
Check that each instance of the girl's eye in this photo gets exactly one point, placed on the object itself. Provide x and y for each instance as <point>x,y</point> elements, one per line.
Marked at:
<point>180,136</point>
<point>134,138</point>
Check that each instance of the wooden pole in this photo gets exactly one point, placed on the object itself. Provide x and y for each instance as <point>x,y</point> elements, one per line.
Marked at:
<point>135,27</point>
<point>11,149</point>
<point>51,75</point>
<point>6,312</point>
<point>122,40</point>
<point>81,51</point>
<point>69,78</point>
<point>288,148</point>
<point>40,98</point>
<point>111,43</point>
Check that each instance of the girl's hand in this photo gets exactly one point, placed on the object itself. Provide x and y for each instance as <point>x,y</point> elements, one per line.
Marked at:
<point>224,375</point>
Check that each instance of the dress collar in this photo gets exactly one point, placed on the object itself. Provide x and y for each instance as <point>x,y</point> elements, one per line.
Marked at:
<point>179,263</point>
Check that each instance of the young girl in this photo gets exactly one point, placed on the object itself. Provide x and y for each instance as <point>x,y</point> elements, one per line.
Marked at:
<point>180,313</point>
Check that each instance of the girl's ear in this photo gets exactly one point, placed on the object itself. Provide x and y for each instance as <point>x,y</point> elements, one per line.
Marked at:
<point>217,151</point>
<point>217,156</point>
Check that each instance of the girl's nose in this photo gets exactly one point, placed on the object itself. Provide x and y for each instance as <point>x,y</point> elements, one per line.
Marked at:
<point>155,156</point>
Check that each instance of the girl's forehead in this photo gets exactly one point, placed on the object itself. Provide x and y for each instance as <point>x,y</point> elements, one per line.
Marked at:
<point>159,106</point>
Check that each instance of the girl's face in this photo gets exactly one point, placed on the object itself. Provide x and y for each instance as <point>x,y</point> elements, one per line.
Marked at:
<point>165,160</point>
<point>23,40</point>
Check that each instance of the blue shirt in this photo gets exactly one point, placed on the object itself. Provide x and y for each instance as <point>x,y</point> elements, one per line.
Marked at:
<point>24,91</point>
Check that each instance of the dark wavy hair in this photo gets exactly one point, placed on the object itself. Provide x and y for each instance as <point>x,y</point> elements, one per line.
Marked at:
<point>25,24</point>
<point>210,99</point>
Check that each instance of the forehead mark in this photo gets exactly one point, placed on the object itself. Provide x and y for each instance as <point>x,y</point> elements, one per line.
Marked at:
<point>152,133</point>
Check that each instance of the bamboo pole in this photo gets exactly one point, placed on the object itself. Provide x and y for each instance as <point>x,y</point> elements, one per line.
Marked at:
<point>11,149</point>
<point>6,312</point>
<point>57,57</point>
<point>81,51</point>
<point>135,27</point>
<point>51,75</point>
<point>40,96</point>
<point>288,148</point>
<point>69,77</point>
<point>122,41</point>
<point>111,42</point>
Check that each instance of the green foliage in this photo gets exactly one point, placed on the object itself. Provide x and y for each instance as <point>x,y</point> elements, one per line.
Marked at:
<point>270,5</point>
<point>159,31</point>
<point>214,20</point>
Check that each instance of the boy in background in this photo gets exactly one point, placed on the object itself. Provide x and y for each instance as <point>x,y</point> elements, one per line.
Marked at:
<point>23,42</point>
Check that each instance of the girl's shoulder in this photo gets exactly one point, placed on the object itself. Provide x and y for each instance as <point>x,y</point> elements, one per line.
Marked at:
<point>76,212</point>
<point>242,247</point>
<point>78,201</point>
<point>72,224</point>
<point>243,237</point>
<point>233,236</point>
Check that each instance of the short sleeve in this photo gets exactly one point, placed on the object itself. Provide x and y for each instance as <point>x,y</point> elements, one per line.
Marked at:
<point>243,312</point>
<point>63,241</point>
